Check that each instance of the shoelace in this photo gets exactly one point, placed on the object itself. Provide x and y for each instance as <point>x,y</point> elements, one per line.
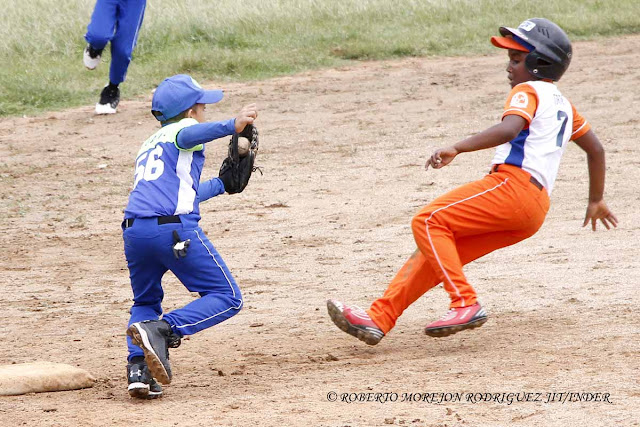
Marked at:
<point>111,92</point>
<point>447,313</point>
<point>359,312</point>
<point>174,341</point>
<point>358,309</point>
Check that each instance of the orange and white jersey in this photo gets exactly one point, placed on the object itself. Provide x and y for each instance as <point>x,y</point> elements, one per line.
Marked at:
<point>551,122</point>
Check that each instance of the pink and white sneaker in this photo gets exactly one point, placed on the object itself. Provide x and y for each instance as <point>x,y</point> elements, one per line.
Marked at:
<point>354,321</point>
<point>456,320</point>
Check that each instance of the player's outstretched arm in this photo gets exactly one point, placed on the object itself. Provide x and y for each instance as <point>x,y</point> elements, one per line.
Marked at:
<point>503,132</point>
<point>202,133</point>
<point>596,209</point>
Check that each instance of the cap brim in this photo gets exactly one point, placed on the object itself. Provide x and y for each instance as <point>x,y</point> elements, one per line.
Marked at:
<point>508,43</point>
<point>211,97</point>
<point>508,31</point>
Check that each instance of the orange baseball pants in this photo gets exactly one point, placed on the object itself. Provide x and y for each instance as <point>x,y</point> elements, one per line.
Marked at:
<point>501,209</point>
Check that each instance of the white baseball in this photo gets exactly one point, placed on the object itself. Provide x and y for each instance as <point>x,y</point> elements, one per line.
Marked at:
<point>243,146</point>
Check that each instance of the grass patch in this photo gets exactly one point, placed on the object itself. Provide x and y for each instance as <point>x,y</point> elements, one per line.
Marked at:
<point>42,41</point>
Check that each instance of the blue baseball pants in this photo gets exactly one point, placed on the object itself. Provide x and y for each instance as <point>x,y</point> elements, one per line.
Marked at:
<point>118,22</point>
<point>148,247</point>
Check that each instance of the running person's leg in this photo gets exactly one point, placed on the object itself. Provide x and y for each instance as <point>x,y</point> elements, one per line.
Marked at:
<point>505,206</point>
<point>204,271</point>
<point>130,16</point>
<point>460,234</point>
<point>102,26</point>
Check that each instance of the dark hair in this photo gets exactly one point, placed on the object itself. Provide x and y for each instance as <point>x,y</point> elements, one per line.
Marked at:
<point>173,119</point>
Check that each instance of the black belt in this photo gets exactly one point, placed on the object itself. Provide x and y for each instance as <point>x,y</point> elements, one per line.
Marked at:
<point>532,180</point>
<point>536,183</point>
<point>172,219</point>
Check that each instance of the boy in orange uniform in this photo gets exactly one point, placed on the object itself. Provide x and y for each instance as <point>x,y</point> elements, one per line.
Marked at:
<point>506,206</point>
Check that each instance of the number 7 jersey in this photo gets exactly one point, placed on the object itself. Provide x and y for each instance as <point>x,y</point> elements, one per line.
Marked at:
<point>551,123</point>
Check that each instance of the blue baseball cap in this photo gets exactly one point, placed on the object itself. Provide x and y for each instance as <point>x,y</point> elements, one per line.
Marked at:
<point>179,93</point>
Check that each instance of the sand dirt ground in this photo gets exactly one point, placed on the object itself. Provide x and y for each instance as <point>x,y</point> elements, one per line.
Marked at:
<point>342,152</point>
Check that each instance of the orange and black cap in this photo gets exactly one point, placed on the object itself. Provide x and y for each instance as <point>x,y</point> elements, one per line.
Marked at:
<point>509,43</point>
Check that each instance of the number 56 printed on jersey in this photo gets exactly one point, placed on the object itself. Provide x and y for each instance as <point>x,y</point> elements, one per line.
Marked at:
<point>153,168</point>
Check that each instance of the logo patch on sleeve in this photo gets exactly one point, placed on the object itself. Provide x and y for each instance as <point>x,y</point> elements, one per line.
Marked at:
<point>520,100</point>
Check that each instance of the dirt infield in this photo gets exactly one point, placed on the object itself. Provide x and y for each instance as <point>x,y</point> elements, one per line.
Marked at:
<point>342,152</point>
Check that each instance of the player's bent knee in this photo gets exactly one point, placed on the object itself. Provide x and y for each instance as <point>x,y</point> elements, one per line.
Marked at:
<point>236,306</point>
<point>238,303</point>
<point>418,223</point>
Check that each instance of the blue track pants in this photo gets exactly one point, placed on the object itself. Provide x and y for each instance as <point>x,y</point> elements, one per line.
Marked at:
<point>148,249</point>
<point>118,22</point>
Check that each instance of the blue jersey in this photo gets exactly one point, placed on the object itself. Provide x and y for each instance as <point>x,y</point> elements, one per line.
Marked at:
<point>167,176</point>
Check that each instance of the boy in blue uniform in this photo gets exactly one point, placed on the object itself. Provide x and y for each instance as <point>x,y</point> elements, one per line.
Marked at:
<point>118,22</point>
<point>161,232</point>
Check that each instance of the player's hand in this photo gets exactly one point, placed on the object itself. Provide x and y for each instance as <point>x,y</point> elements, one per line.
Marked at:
<point>599,211</point>
<point>246,117</point>
<point>441,157</point>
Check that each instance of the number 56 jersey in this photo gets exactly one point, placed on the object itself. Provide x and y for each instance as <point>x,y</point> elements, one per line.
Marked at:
<point>166,177</point>
<point>551,122</point>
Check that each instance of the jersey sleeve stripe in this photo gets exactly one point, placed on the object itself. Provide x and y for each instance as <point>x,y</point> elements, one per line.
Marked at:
<point>519,112</point>
<point>580,128</point>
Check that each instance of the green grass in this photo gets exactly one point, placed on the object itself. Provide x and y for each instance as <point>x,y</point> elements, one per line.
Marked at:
<point>41,41</point>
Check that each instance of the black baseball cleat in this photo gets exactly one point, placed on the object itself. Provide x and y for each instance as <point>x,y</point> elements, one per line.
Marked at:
<point>141,384</point>
<point>109,100</point>
<point>155,337</point>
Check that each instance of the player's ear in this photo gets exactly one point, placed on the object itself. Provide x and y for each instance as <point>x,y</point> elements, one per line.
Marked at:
<point>191,112</point>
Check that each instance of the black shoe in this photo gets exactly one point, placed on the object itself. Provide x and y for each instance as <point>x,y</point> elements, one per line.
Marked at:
<point>155,337</point>
<point>91,57</point>
<point>141,384</point>
<point>109,100</point>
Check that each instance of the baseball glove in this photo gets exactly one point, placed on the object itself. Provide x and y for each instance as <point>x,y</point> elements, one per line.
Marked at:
<point>236,170</point>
